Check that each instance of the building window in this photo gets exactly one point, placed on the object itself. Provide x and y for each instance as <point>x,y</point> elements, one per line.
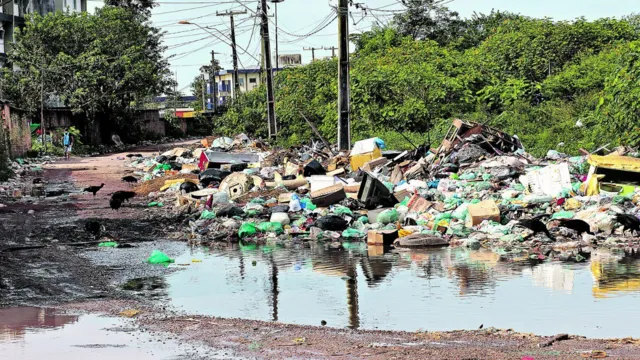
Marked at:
<point>252,80</point>
<point>241,82</point>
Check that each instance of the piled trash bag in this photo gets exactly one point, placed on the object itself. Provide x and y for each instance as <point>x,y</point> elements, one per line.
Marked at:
<point>480,188</point>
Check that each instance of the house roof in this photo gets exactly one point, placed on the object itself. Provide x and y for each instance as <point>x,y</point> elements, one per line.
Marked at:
<point>242,71</point>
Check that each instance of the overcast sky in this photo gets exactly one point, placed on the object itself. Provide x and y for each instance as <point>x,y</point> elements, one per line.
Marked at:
<point>191,46</point>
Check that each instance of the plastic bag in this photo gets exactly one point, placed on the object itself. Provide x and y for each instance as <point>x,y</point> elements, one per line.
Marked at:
<point>332,223</point>
<point>387,216</point>
<point>468,176</point>
<point>352,233</point>
<point>308,204</point>
<point>563,215</point>
<point>342,210</point>
<point>364,219</point>
<point>247,229</point>
<point>158,257</point>
<point>270,227</point>
<point>461,212</point>
<point>108,244</point>
<point>483,185</point>
<point>294,204</point>
<point>207,215</point>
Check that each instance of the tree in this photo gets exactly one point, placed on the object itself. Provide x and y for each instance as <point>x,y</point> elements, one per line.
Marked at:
<point>429,20</point>
<point>138,6</point>
<point>106,64</point>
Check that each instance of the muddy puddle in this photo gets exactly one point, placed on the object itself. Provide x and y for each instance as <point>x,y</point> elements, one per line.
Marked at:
<point>435,290</point>
<point>30,333</point>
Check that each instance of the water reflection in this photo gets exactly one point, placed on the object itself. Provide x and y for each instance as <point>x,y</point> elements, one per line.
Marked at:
<point>615,273</point>
<point>14,322</point>
<point>437,289</point>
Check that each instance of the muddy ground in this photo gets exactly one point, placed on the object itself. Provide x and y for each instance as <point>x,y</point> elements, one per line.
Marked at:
<point>47,259</point>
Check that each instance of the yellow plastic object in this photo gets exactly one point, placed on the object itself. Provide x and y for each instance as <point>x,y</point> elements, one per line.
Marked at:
<point>358,160</point>
<point>403,233</point>
<point>593,186</point>
<point>572,204</point>
<point>624,163</point>
<point>169,183</point>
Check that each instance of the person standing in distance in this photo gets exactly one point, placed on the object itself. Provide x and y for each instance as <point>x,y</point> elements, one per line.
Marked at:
<point>67,142</point>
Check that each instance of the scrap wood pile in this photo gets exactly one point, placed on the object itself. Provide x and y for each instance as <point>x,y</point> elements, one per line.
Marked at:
<point>479,188</point>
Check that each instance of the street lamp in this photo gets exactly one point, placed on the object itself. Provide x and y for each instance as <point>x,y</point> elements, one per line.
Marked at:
<point>276,11</point>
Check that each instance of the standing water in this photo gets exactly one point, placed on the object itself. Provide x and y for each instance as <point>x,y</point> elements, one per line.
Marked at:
<point>434,290</point>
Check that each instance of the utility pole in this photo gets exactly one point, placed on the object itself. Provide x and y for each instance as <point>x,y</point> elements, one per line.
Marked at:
<point>313,51</point>
<point>333,50</point>
<point>204,99</point>
<point>236,80</point>
<point>42,125</point>
<point>212,82</point>
<point>344,125</point>
<point>266,46</point>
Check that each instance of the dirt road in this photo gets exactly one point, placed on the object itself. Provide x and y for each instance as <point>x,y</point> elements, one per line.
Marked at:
<point>47,258</point>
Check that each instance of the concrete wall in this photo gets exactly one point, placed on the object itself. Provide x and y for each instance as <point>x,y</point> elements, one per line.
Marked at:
<point>16,126</point>
<point>151,123</point>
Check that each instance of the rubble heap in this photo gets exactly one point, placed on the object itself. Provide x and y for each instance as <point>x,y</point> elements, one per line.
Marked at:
<point>479,188</point>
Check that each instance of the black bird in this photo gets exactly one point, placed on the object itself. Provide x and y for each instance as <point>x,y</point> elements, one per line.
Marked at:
<point>93,227</point>
<point>630,222</point>
<point>188,187</point>
<point>115,204</point>
<point>37,181</point>
<point>94,189</point>
<point>536,226</point>
<point>134,155</point>
<point>481,326</point>
<point>130,179</point>
<point>577,225</point>
<point>123,195</point>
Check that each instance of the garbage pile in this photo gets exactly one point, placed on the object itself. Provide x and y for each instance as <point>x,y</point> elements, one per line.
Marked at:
<point>479,188</point>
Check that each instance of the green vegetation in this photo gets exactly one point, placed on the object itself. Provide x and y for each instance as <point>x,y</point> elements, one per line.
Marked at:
<point>572,82</point>
<point>101,65</point>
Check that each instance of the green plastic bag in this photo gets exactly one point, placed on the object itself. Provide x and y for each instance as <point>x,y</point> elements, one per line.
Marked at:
<point>258,200</point>
<point>456,177</point>
<point>271,227</point>
<point>108,244</point>
<point>364,219</point>
<point>468,176</point>
<point>387,216</point>
<point>247,229</point>
<point>486,177</point>
<point>352,233</point>
<point>483,185</point>
<point>342,210</point>
<point>155,203</point>
<point>207,215</point>
<point>308,204</point>
<point>405,202</point>
<point>158,257</point>
<point>301,221</point>
<point>563,215</point>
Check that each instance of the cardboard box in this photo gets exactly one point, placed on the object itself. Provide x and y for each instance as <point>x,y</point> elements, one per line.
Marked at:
<point>364,151</point>
<point>284,198</point>
<point>485,210</point>
<point>189,167</point>
<point>381,237</point>
<point>352,188</point>
<point>418,204</point>
<point>373,164</point>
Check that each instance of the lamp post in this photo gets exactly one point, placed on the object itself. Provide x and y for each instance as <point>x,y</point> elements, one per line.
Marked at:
<point>276,2</point>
